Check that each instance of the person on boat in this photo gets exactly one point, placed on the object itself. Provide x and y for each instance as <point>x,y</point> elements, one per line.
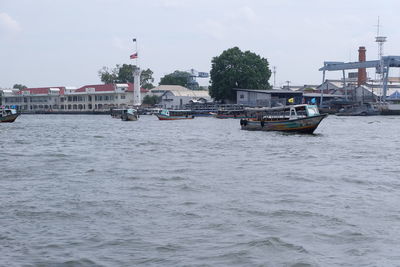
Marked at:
<point>259,116</point>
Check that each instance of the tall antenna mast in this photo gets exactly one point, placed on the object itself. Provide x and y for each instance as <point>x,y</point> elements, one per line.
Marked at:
<point>380,40</point>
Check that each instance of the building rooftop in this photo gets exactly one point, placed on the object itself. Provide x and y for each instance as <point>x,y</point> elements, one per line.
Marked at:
<point>270,91</point>
<point>163,88</point>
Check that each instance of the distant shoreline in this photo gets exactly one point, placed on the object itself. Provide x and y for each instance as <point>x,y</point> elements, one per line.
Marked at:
<point>67,113</point>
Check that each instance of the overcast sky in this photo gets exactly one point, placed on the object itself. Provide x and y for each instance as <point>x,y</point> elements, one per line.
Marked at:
<point>66,42</point>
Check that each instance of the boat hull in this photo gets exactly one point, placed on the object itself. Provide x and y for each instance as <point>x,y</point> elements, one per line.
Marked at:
<point>303,125</point>
<point>390,109</point>
<point>170,118</point>
<point>129,117</point>
<point>9,118</point>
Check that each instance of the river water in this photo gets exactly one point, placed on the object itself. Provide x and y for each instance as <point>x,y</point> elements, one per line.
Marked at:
<point>81,190</point>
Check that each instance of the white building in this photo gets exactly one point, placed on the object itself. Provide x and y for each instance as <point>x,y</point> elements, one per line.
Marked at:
<point>176,96</point>
<point>89,98</point>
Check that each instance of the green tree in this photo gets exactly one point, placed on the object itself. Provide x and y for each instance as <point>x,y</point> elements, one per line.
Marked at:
<point>146,79</point>
<point>237,69</point>
<point>151,100</point>
<point>175,78</point>
<point>108,76</point>
<point>19,86</point>
<point>124,74</point>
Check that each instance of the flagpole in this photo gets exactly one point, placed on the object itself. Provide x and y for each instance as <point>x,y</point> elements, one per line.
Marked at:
<point>136,79</point>
<point>137,52</point>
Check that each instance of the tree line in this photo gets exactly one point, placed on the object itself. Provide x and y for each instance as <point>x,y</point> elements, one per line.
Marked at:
<point>233,69</point>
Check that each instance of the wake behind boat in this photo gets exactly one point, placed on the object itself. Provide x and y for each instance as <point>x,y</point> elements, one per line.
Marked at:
<point>296,118</point>
<point>8,114</point>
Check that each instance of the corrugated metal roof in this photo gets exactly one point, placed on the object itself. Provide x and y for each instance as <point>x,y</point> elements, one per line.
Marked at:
<point>190,93</point>
<point>169,88</point>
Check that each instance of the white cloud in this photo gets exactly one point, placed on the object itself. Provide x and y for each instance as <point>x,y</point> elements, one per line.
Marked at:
<point>8,24</point>
<point>231,23</point>
<point>121,44</point>
<point>215,29</point>
<point>172,3</point>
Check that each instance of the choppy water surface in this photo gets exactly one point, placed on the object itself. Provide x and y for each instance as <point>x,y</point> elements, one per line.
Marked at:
<point>92,190</point>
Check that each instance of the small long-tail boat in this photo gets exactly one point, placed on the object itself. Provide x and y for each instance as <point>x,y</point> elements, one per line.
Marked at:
<point>8,114</point>
<point>166,114</point>
<point>295,118</point>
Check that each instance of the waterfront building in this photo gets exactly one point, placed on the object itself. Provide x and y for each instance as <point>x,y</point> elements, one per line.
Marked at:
<point>176,96</point>
<point>89,98</point>
<point>267,98</point>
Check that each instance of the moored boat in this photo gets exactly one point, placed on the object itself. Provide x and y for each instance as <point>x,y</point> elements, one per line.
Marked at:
<point>125,114</point>
<point>367,109</point>
<point>129,114</point>
<point>230,114</point>
<point>296,118</point>
<point>8,115</point>
<point>166,114</point>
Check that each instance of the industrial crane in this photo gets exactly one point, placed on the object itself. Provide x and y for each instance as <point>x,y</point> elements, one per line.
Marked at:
<point>191,75</point>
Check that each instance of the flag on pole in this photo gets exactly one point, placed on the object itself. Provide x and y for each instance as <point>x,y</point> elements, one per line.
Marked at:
<point>291,100</point>
<point>313,100</point>
<point>133,56</point>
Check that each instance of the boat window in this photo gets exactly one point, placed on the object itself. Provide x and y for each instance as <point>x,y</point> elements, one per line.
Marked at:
<point>312,111</point>
<point>293,114</point>
<point>165,112</point>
